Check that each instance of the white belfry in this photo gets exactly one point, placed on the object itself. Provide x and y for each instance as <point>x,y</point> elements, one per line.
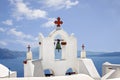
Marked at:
<point>83,52</point>
<point>59,43</point>
<point>29,54</point>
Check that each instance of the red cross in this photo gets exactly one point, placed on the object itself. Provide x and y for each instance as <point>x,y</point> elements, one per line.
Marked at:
<point>58,22</point>
<point>83,46</point>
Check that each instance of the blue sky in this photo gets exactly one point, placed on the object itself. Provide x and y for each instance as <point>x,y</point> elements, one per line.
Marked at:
<point>96,23</point>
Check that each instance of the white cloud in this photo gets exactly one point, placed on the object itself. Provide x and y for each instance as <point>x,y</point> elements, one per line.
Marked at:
<point>8,22</point>
<point>59,4</point>
<point>21,10</point>
<point>3,43</point>
<point>19,34</point>
<point>49,23</point>
<point>2,30</point>
<point>22,38</point>
<point>69,4</point>
<point>26,43</point>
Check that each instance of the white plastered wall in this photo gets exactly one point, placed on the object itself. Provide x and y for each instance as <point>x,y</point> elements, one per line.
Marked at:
<point>108,67</point>
<point>28,69</point>
<point>86,66</point>
<point>69,53</point>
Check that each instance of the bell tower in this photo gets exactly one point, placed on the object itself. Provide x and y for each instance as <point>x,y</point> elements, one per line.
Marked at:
<point>29,53</point>
<point>83,52</point>
<point>66,47</point>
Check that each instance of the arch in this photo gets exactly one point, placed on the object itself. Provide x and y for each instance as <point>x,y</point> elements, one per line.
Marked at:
<point>58,52</point>
<point>70,71</point>
<point>62,33</point>
<point>58,36</point>
<point>63,37</point>
<point>48,72</point>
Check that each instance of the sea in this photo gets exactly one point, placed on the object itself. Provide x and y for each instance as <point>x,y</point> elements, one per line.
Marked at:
<point>16,64</point>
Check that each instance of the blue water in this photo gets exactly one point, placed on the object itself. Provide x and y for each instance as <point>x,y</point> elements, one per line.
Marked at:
<point>98,61</point>
<point>17,64</point>
<point>14,65</point>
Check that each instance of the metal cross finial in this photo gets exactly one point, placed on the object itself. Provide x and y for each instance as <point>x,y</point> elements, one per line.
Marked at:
<point>83,47</point>
<point>28,48</point>
<point>58,22</point>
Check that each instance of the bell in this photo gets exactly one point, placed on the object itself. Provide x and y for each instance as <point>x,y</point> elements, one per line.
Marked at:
<point>58,46</point>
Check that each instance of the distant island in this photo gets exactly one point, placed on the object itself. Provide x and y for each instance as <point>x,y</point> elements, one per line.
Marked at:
<point>101,54</point>
<point>9,54</point>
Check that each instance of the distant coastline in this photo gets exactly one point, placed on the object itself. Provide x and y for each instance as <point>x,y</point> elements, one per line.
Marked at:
<point>10,54</point>
<point>14,59</point>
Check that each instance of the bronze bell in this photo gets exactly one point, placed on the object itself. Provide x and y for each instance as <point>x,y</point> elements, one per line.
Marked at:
<point>58,45</point>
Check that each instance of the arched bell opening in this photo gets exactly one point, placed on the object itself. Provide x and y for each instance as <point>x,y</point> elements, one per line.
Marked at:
<point>60,47</point>
<point>70,71</point>
<point>48,72</point>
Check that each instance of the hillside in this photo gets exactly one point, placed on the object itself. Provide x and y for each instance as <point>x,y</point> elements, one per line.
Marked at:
<point>9,54</point>
<point>101,54</point>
